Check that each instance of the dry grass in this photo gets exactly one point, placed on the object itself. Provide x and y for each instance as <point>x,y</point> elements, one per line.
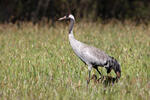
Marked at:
<point>37,62</point>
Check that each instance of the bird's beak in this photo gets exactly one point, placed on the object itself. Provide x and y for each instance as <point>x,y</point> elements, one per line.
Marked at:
<point>118,74</point>
<point>62,18</point>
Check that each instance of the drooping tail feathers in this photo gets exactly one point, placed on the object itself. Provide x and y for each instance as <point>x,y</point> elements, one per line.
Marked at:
<point>112,63</point>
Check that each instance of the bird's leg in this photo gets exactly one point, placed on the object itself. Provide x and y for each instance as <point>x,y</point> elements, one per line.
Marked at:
<point>88,81</point>
<point>108,70</point>
<point>89,72</point>
<point>99,72</point>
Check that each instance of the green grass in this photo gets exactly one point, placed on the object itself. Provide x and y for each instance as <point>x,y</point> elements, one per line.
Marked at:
<point>37,62</point>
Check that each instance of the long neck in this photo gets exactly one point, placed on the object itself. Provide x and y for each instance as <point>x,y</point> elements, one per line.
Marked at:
<point>71,26</point>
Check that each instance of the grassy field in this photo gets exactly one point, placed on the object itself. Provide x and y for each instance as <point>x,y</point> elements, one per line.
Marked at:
<point>37,62</point>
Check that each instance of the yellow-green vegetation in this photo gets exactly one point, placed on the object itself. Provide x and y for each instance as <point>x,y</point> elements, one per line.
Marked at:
<point>37,62</point>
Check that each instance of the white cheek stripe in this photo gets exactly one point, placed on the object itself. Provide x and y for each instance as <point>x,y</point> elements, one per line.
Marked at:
<point>71,16</point>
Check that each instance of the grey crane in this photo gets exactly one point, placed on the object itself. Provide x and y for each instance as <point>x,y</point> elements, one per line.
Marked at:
<point>91,56</point>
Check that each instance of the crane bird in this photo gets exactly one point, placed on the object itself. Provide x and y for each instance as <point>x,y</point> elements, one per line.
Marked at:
<point>91,56</point>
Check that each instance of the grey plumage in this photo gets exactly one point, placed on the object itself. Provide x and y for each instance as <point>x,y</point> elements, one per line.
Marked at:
<point>90,55</point>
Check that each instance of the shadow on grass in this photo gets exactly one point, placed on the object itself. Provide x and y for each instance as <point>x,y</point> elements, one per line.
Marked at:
<point>105,80</point>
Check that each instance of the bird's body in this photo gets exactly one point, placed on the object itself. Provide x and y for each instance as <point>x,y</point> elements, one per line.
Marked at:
<point>90,55</point>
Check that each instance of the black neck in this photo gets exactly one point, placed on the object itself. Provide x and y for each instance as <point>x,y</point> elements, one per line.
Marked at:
<point>71,25</point>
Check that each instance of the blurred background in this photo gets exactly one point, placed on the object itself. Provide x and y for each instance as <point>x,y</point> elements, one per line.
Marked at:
<point>93,10</point>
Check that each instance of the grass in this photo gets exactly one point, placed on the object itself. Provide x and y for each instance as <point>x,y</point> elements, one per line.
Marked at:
<point>37,62</point>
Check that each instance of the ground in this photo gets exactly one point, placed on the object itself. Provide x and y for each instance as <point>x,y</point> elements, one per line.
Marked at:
<point>37,61</point>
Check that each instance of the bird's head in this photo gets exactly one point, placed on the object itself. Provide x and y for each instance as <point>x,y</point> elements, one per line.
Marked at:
<point>68,16</point>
